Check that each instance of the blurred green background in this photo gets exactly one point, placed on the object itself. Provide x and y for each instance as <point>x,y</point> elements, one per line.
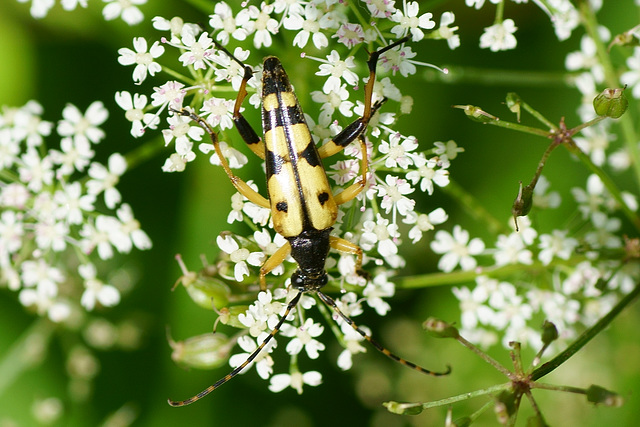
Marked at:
<point>72,57</point>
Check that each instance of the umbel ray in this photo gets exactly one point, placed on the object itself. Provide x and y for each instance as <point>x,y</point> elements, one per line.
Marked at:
<point>303,207</point>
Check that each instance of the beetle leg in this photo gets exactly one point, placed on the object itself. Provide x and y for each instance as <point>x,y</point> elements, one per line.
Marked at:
<point>347,247</point>
<point>240,185</point>
<point>352,191</point>
<point>272,262</point>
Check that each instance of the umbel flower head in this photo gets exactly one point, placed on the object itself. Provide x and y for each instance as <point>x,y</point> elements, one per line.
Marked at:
<point>397,162</point>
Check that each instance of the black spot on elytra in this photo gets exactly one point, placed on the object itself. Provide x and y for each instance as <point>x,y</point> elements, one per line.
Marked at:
<point>323,197</point>
<point>282,207</point>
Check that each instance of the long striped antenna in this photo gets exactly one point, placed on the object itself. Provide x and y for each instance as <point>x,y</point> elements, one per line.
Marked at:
<point>332,304</point>
<point>250,359</point>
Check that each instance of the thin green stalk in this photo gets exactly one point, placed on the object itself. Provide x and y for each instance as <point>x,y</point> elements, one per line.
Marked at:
<point>585,337</point>
<point>26,352</point>
<point>611,78</point>
<point>399,408</point>
<point>519,128</point>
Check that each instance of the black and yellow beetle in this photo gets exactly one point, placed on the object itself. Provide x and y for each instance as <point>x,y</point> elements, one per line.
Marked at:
<point>303,207</point>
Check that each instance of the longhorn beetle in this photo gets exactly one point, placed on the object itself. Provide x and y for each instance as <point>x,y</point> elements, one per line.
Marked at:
<point>302,205</point>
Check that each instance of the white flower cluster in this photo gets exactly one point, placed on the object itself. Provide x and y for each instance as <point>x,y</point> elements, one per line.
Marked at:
<point>397,165</point>
<point>125,9</point>
<point>500,36</point>
<point>49,226</point>
<point>574,286</point>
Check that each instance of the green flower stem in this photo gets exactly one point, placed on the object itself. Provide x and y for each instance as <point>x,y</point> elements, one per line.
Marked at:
<point>564,388</point>
<point>179,76</point>
<point>609,184</point>
<point>484,356</point>
<point>586,336</point>
<point>26,352</point>
<point>474,208</point>
<point>400,408</point>
<point>520,128</point>
<point>626,121</point>
<point>538,116</point>
<point>499,12</point>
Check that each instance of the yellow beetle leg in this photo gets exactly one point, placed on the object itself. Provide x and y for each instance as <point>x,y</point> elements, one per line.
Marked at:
<point>353,190</point>
<point>274,260</point>
<point>242,187</point>
<point>347,247</point>
<point>247,133</point>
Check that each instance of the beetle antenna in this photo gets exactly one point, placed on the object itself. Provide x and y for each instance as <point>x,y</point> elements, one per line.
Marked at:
<point>244,364</point>
<point>332,304</point>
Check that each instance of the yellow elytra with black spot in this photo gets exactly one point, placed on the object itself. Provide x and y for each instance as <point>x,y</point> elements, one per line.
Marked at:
<point>303,208</point>
<point>297,183</point>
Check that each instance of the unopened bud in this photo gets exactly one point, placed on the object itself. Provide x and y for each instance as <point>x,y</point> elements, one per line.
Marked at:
<point>205,351</point>
<point>549,333</point>
<point>209,293</point>
<point>611,103</point>
<point>505,407</point>
<point>229,315</point>
<point>514,104</point>
<point>601,396</point>
<point>440,328</point>
<point>523,202</point>
<point>476,113</point>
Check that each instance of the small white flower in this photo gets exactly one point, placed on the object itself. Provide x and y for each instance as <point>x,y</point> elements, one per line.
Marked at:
<point>308,26</point>
<point>143,60</point>
<point>83,127</point>
<point>410,22</point>
<point>104,179</point>
<point>96,291</point>
<point>424,222</point>
<point>304,338</point>
<point>223,19</point>
<point>337,70</point>
<point>499,36</point>
<point>240,256</point>
<point>125,8</point>
<point>456,249</point>
<point>511,249</point>
<point>134,112</point>
<point>295,380</point>
<point>393,196</point>
<point>263,361</point>
<point>556,244</point>
<point>447,32</point>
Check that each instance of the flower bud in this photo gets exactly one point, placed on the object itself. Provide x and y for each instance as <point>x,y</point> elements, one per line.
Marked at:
<point>477,114</point>
<point>514,103</point>
<point>611,103</point>
<point>505,406</point>
<point>549,333</point>
<point>229,315</point>
<point>208,293</point>
<point>523,202</point>
<point>206,351</point>
<point>440,329</point>
<point>599,395</point>
<point>403,408</point>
